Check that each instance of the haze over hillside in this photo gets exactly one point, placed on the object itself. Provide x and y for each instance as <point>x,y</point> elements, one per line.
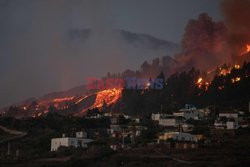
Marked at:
<point>89,53</point>
<point>39,54</point>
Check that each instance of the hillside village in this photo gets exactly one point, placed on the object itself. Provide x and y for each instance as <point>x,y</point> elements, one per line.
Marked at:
<point>188,128</point>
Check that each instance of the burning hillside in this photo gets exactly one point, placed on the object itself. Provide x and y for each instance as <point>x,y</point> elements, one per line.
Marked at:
<point>234,73</point>
<point>218,49</point>
<point>206,46</point>
<point>76,105</point>
<point>109,96</point>
<point>106,97</point>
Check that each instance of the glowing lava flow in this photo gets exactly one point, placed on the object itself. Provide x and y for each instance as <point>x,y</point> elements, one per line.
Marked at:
<point>58,100</point>
<point>109,96</point>
<point>81,99</point>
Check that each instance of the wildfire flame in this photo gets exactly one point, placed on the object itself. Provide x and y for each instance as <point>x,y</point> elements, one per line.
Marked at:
<point>224,72</point>
<point>202,83</point>
<point>199,80</point>
<point>237,66</point>
<point>237,79</point>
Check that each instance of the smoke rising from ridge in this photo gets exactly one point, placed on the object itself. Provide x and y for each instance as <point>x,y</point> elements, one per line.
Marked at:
<point>41,56</point>
<point>204,45</point>
<point>237,15</point>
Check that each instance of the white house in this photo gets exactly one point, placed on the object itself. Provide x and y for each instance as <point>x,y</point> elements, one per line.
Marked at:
<point>189,113</point>
<point>228,123</point>
<point>170,121</point>
<point>232,125</point>
<point>70,141</point>
<point>157,116</point>
<point>229,115</point>
<point>179,136</point>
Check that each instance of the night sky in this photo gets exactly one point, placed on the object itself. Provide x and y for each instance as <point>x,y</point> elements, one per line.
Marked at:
<point>37,56</point>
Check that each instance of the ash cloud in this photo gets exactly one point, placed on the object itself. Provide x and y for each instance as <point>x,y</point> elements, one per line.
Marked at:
<point>237,15</point>
<point>207,44</point>
<point>204,45</point>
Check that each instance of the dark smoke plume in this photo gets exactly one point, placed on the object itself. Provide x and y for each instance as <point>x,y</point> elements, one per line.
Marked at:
<point>237,19</point>
<point>204,45</point>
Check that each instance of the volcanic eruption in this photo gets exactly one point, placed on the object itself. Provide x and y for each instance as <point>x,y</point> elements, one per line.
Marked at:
<point>213,47</point>
<point>208,44</point>
<point>236,18</point>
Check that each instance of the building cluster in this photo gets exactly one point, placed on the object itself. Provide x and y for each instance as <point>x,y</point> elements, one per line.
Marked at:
<point>231,120</point>
<point>180,127</point>
<point>186,128</point>
<point>122,132</point>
